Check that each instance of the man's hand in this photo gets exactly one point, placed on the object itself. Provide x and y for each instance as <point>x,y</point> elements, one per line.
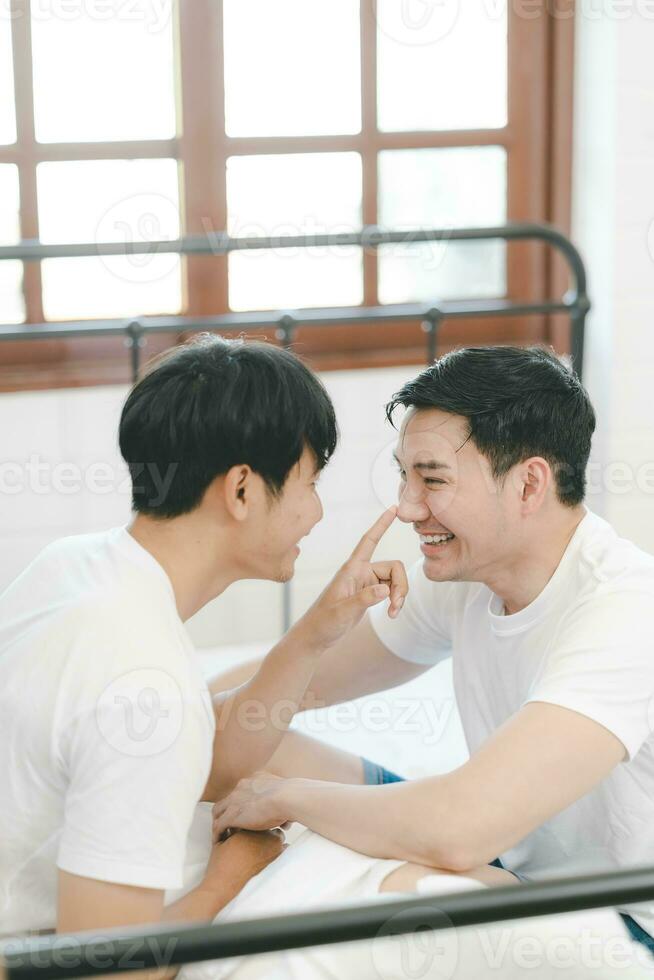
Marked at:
<point>359,584</point>
<point>241,857</point>
<point>255,804</point>
<point>278,688</point>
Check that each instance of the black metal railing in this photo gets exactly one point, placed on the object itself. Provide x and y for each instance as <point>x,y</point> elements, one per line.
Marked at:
<point>58,957</point>
<point>575,302</point>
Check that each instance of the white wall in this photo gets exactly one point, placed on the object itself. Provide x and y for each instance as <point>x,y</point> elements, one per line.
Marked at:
<point>613,193</point>
<point>61,473</point>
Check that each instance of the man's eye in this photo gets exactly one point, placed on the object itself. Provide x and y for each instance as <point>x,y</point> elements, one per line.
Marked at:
<point>432,481</point>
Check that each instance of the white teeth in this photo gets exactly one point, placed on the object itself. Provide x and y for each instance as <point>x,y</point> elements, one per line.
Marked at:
<point>435,538</point>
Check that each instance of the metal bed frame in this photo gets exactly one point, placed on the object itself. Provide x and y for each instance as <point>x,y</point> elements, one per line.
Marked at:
<point>284,323</point>
<point>575,302</point>
<point>57,957</point>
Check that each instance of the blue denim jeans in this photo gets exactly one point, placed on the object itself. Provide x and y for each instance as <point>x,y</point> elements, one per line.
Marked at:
<point>375,775</point>
<point>637,932</point>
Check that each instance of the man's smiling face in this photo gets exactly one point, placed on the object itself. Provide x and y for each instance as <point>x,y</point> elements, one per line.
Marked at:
<point>448,492</point>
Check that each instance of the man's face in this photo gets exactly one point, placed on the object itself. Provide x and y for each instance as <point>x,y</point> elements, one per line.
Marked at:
<point>447,491</point>
<point>272,538</point>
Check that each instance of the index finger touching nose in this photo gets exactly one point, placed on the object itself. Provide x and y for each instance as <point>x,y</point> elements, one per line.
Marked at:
<point>366,546</point>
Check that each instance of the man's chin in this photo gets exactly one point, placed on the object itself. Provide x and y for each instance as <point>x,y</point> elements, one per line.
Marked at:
<point>437,571</point>
<point>286,571</point>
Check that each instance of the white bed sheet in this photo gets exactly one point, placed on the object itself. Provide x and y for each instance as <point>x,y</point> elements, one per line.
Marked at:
<point>415,730</point>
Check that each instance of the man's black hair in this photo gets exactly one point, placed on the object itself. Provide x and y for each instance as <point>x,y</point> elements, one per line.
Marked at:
<point>519,402</point>
<point>211,404</point>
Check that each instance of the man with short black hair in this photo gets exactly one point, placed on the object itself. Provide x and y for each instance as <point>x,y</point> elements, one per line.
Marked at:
<point>549,617</point>
<point>107,730</point>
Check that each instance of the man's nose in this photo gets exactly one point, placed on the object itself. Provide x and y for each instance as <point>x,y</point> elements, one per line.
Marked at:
<point>412,506</point>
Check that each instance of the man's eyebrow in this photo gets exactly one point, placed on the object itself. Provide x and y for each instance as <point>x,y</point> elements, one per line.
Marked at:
<point>430,464</point>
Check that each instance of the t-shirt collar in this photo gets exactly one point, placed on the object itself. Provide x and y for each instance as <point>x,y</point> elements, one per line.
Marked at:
<point>141,556</point>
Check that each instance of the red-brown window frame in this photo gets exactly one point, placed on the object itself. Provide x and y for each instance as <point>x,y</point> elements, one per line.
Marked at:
<point>538,140</point>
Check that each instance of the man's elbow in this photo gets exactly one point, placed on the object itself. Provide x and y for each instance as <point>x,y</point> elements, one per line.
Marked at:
<point>441,848</point>
<point>456,857</point>
<point>455,843</point>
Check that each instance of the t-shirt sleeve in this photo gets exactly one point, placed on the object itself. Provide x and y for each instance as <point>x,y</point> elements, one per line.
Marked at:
<point>422,633</point>
<point>601,664</point>
<point>136,763</point>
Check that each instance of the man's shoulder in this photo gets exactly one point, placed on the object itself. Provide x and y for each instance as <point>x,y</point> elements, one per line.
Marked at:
<point>54,566</point>
<point>84,603</point>
<point>611,563</point>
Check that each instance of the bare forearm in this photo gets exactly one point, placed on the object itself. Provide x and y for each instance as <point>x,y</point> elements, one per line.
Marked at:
<point>252,720</point>
<point>203,903</point>
<point>301,755</point>
<point>384,821</point>
<point>360,664</point>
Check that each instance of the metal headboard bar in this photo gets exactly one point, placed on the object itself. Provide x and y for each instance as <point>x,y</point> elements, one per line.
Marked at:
<point>59,957</point>
<point>284,322</point>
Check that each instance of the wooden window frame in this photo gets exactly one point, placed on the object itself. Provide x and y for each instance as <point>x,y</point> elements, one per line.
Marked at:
<point>538,141</point>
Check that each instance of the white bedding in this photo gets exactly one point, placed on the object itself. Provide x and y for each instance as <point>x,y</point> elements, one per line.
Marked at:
<point>315,873</point>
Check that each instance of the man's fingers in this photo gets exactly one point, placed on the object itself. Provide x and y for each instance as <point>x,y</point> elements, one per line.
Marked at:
<point>366,546</point>
<point>221,824</point>
<point>393,573</point>
<point>370,596</point>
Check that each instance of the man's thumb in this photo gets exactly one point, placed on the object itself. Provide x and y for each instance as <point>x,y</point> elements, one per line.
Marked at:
<point>373,594</point>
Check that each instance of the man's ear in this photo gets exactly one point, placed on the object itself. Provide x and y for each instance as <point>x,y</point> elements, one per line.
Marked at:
<point>238,486</point>
<point>535,476</point>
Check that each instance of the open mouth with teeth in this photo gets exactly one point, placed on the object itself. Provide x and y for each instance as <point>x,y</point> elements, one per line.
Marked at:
<point>431,543</point>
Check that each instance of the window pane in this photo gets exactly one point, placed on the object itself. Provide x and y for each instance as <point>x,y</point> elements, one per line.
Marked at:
<point>269,280</point>
<point>102,201</point>
<point>294,194</point>
<point>103,71</point>
<point>441,65</point>
<point>446,188</point>
<point>7,107</point>
<point>12,304</point>
<point>292,68</point>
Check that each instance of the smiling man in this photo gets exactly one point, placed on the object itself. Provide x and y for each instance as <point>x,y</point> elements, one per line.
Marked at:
<point>549,617</point>
<point>107,731</point>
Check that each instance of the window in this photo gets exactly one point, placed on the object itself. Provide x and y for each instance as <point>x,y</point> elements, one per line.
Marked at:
<point>275,117</point>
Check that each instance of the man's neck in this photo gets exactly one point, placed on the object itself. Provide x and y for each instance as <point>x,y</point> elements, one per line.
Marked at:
<point>188,552</point>
<point>523,578</point>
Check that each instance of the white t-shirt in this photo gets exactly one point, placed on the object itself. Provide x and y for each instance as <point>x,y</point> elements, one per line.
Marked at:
<point>106,726</point>
<point>586,643</point>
